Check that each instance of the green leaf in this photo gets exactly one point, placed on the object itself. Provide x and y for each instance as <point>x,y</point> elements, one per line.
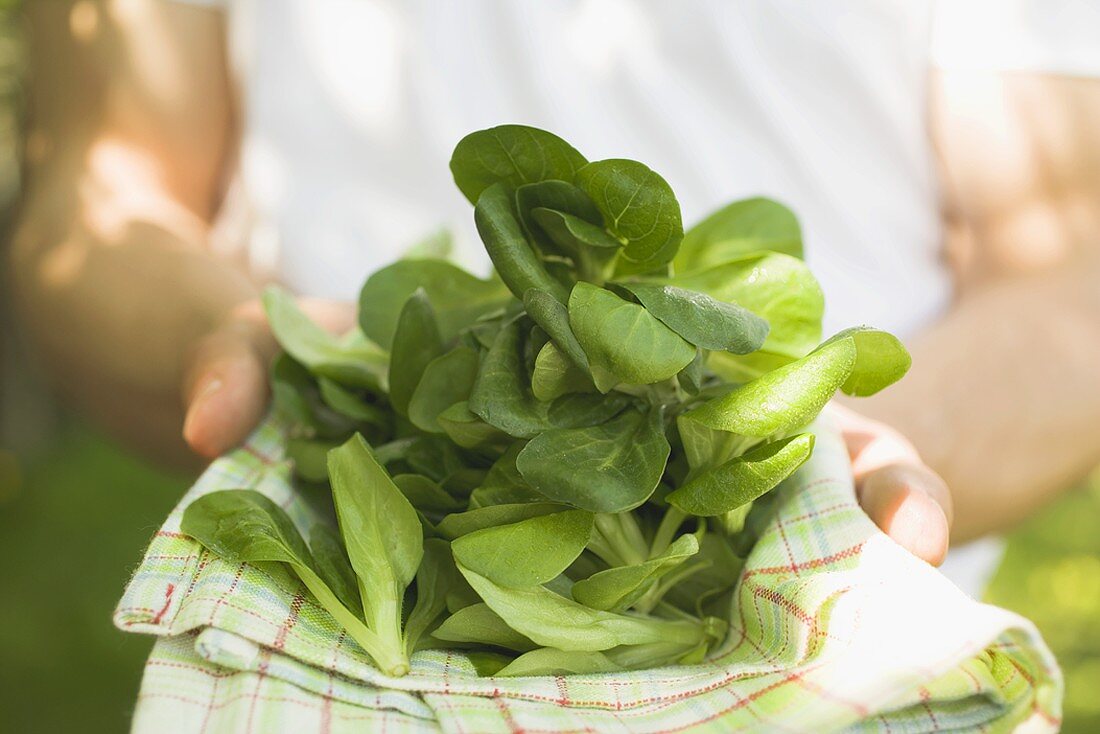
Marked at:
<point>707,447</point>
<point>720,570</point>
<point>744,478</point>
<point>692,377</point>
<point>479,624</point>
<point>515,260</point>
<point>425,495</point>
<point>244,526</point>
<point>638,208</point>
<point>556,375</point>
<point>383,535</point>
<point>467,430</point>
<point>737,229</point>
<point>331,561</point>
<point>346,402</point>
<point>582,410</point>
<point>463,523</point>
<point>504,484</point>
<point>551,620</point>
<point>458,298</point>
<point>623,341</point>
<point>704,321</point>
<point>501,396</point>
<point>552,315</point>
<point>617,589</point>
<point>310,457</point>
<point>549,661</point>
<point>783,399</point>
<point>446,380</point>
<point>358,364</point>
<point>779,289</point>
<point>513,155</point>
<point>552,195</point>
<point>591,249</point>
<point>416,343</point>
<point>881,360</point>
<point>435,578</point>
<point>611,467</point>
<point>789,397</point>
<point>574,234</point>
<point>439,245</point>
<point>525,553</point>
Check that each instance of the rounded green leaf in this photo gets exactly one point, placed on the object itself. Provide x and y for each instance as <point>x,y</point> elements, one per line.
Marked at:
<point>556,375</point>
<point>616,589</point>
<point>624,342</point>
<point>737,229</point>
<point>463,523</point>
<point>360,364</point>
<point>479,624</point>
<point>638,208</point>
<point>744,478</point>
<point>515,260</point>
<point>552,620</point>
<point>552,315</point>
<point>458,298</point>
<point>245,526</point>
<point>512,155</point>
<point>704,321</point>
<point>779,289</point>
<point>612,467</point>
<point>379,526</point>
<point>467,430</point>
<point>550,661</point>
<point>331,562</point>
<point>446,380</point>
<point>525,553</point>
<point>416,343</point>
<point>552,195</point>
<point>424,494</point>
<point>783,399</point>
<point>502,395</point>
<point>881,360</point>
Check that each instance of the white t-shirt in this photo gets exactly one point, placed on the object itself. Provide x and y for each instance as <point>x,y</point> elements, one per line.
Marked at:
<point>352,108</point>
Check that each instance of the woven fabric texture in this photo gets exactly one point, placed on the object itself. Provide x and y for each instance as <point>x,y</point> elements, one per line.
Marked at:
<point>833,628</point>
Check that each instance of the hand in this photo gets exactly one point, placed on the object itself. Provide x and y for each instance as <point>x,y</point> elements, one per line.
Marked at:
<point>909,501</point>
<point>225,387</point>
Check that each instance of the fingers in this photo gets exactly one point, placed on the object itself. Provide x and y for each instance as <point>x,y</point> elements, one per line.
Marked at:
<point>332,316</point>
<point>906,499</point>
<point>911,504</point>
<point>225,389</point>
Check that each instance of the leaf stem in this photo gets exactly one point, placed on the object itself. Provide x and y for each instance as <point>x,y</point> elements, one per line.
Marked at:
<point>616,535</point>
<point>670,523</point>
<point>390,659</point>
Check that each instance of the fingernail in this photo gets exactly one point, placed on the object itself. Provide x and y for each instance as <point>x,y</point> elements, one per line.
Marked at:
<point>204,391</point>
<point>208,388</point>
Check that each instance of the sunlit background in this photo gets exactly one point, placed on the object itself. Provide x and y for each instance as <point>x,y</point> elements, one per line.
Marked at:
<point>76,511</point>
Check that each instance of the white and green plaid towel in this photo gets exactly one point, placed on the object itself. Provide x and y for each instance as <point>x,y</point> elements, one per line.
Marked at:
<point>835,628</point>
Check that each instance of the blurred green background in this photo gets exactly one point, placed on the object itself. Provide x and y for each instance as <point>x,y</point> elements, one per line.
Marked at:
<point>76,512</point>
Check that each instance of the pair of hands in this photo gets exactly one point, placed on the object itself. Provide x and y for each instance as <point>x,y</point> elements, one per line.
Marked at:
<point>226,393</point>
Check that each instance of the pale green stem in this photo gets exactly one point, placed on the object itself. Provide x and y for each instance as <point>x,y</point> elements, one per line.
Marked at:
<point>670,523</point>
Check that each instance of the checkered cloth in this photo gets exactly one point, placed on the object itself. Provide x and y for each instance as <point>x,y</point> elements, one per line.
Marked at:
<point>834,628</point>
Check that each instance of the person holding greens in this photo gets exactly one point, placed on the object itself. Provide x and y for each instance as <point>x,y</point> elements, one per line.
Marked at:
<point>944,159</point>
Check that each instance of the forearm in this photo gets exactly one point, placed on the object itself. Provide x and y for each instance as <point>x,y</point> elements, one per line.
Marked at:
<point>114,294</point>
<point>132,127</point>
<point>1003,399</point>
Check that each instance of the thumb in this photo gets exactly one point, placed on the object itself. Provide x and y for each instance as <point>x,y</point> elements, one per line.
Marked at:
<point>225,387</point>
<point>897,490</point>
